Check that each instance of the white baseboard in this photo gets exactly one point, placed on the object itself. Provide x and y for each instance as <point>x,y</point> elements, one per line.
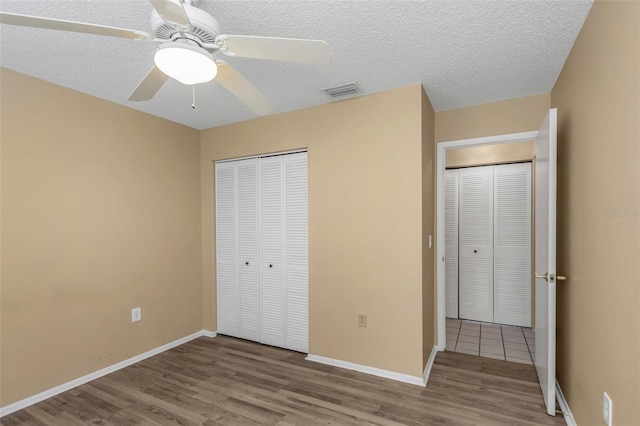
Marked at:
<point>400,377</point>
<point>34,399</point>
<point>564,406</point>
<point>427,368</point>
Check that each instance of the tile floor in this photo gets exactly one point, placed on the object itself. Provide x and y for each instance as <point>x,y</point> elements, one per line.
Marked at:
<point>506,342</point>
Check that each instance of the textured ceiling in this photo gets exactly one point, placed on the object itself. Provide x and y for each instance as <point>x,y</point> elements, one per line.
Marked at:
<point>463,52</point>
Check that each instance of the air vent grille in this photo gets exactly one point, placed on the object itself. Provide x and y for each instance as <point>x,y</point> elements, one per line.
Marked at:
<point>343,90</point>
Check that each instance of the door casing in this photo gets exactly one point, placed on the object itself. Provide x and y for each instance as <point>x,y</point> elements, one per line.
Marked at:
<point>441,148</point>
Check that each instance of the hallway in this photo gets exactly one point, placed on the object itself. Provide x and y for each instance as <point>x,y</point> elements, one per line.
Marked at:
<point>504,342</point>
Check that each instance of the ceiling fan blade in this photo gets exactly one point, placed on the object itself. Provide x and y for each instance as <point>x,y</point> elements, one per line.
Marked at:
<point>149,86</point>
<point>172,11</point>
<point>62,25</point>
<point>242,89</point>
<point>278,49</point>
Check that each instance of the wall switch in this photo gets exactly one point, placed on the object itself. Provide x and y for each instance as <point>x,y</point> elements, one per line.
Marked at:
<point>136,314</point>
<point>607,409</point>
<point>362,320</point>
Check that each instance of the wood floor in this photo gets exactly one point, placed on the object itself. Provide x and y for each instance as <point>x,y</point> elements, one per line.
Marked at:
<point>227,381</point>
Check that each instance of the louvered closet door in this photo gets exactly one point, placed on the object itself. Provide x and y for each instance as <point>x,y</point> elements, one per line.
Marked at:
<point>451,242</point>
<point>512,244</point>
<point>271,251</point>
<point>296,252</point>
<point>475,230</point>
<point>249,285</point>
<point>227,247</point>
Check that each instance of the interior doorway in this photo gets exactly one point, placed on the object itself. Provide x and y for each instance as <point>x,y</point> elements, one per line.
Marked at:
<point>545,178</point>
<point>488,251</point>
<point>468,154</point>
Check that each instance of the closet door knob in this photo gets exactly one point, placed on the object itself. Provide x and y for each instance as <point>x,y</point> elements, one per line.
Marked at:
<point>270,266</point>
<point>475,251</point>
<point>246,263</point>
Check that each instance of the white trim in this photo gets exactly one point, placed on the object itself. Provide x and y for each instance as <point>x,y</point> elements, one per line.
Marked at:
<point>400,377</point>
<point>441,147</point>
<point>564,406</point>
<point>427,368</point>
<point>34,399</point>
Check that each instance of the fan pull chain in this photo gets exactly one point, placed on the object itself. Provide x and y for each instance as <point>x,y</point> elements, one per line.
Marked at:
<point>193,104</point>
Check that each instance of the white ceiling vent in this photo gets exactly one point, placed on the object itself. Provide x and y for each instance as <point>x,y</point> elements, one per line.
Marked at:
<point>343,90</point>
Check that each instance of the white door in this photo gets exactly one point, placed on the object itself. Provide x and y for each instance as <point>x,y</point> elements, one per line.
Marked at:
<point>248,282</point>
<point>475,230</point>
<point>512,244</point>
<point>545,246</point>
<point>451,242</point>
<point>271,251</point>
<point>296,252</point>
<point>227,248</point>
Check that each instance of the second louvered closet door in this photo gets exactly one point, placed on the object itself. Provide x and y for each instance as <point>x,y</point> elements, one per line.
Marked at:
<point>262,250</point>
<point>271,247</point>
<point>512,244</point>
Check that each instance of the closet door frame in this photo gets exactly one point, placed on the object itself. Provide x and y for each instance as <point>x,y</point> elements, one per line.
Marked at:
<point>518,253</point>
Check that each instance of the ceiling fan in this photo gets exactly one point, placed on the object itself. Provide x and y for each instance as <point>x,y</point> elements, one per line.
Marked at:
<point>189,37</point>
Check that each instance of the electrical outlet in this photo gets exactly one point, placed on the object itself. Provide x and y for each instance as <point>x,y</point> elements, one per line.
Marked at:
<point>607,409</point>
<point>362,320</point>
<point>136,314</point>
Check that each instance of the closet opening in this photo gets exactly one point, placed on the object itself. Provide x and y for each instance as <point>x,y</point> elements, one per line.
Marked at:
<point>485,274</point>
<point>262,273</point>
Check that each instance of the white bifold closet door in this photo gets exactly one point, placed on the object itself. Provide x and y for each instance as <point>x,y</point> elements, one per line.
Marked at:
<point>271,247</point>
<point>227,247</point>
<point>451,242</point>
<point>262,250</point>
<point>248,284</point>
<point>512,244</point>
<point>475,230</point>
<point>296,251</point>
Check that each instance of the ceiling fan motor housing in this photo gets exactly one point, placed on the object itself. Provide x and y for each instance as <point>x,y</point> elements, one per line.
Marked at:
<point>203,26</point>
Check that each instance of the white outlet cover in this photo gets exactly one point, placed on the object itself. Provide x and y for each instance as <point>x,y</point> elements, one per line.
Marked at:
<point>136,314</point>
<point>607,409</point>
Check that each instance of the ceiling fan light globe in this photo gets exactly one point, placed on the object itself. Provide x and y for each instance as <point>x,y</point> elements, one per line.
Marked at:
<point>185,63</point>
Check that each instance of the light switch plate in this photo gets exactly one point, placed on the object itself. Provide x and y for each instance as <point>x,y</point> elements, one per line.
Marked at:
<point>607,409</point>
<point>136,314</point>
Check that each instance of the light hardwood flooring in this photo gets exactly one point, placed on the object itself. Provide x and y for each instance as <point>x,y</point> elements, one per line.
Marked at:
<point>227,381</point>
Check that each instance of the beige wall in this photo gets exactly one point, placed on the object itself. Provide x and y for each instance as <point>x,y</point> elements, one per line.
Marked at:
<point>429,319</point>
<point>365,221</point>
<point>100,214</point>
<point>598,101</point>
<point>490,154</point>
<point>496,118</point>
